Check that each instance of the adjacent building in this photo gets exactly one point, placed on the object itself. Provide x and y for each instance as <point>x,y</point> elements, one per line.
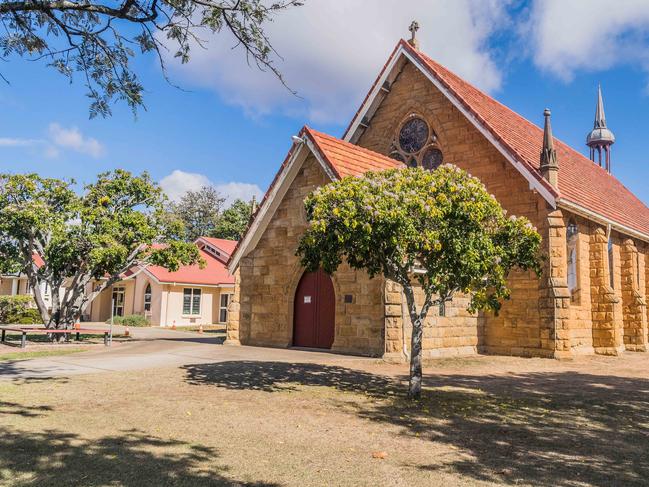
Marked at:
<point>17,284</point>
<point>189,296</point>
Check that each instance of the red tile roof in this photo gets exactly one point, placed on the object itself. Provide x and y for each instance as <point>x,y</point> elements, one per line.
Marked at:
<point>226,246</point>
<point>38,260</point>
<point>214,273</point>
<point>347,159</point>
<point>343,158</point>
<point>580,180</point>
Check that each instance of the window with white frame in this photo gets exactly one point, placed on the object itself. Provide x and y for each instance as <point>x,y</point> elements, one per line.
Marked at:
<point>191,301</point>
<point>223,309</point>
<point>147,298</point>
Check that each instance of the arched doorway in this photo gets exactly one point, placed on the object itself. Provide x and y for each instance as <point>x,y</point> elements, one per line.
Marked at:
<point>314,311</point>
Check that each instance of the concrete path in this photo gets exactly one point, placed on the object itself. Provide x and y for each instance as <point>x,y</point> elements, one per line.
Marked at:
<point>155,348</point>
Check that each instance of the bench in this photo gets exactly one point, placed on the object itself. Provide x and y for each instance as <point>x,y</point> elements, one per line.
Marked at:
<point>66,332</point>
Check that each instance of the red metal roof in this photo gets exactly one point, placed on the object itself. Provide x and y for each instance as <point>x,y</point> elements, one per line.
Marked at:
<point>580,180</point>
<point>214,273</point>
<point>226,246</point>
<point>38,260</point>
<point>347,159</point>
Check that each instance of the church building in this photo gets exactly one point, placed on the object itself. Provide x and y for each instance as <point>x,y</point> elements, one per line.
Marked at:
<point>590,299</point>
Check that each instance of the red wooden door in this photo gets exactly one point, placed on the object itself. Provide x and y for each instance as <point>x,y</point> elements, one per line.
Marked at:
<point>315,311</point>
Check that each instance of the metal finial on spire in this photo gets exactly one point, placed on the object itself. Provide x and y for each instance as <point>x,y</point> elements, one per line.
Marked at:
<point>600,139</point>
<point>549,166</point>
<point>414,27</point>
<point>600,117</point>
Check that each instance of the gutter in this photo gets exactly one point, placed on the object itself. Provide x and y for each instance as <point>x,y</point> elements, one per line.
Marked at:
<point>580,210</point>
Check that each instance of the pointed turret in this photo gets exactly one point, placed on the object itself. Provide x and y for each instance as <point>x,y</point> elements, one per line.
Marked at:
<point>600,139</point>
<point>549,166</point>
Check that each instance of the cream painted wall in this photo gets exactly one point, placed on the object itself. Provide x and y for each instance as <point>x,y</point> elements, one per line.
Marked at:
<point>166,302</point>
<point>173,311</point>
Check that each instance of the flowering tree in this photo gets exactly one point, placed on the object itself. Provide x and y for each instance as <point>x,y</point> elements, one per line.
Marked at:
<point>96,235</point>
<point>440,230</point>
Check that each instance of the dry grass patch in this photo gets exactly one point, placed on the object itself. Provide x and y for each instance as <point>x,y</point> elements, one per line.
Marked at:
<point>269,423</point>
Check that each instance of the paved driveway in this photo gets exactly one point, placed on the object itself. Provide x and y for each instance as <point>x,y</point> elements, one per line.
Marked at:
<point>154,348</point>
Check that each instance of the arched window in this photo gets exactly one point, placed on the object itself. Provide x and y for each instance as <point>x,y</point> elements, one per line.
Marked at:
<point>147,298</point>
<point>611,263</point>
<point>572,237</point>
<point>415,144</point>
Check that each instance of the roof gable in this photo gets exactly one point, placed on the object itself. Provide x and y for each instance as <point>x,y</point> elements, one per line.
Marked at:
<point>215,273</point>
<point>584,187</point>
<point>348,159</point>
<point>338,159</point>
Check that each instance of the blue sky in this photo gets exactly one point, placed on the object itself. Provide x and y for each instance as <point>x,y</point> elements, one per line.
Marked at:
<point>232,126</point>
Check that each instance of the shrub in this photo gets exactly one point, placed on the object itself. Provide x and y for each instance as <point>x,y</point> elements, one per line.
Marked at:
<point>30,316</point>
<point>18,310</point>
<point>130,320</point>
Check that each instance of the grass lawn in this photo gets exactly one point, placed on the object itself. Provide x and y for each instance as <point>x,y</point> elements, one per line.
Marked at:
<point>12,337</point>
<point>211,329</point>
<point>489,421</point>
<point>38,354</point>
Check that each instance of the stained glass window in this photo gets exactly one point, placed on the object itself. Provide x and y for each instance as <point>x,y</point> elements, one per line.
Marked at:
<point>571,245</point>
<point>432,159</point>
<point>611,264</point>
<point>413,135</point>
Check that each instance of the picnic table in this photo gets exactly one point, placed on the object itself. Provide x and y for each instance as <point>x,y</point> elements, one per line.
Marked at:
<point>25,330</point>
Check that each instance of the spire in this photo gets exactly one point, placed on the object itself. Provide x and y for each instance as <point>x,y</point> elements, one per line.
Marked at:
<point>413,41</point>
<point>549,166</point>
<point>600,117</point>
<point>600,139</point>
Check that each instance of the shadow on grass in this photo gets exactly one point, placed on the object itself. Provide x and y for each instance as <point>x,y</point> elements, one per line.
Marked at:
<point>545,429</point>
<point>15,409</point>
<point>131,458</point>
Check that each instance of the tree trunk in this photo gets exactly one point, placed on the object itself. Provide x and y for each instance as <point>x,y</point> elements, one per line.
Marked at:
<point>414,388</point>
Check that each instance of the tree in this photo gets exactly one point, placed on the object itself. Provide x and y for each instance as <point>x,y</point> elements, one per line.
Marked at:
<point>98,39</point>
<point>234,221</point>
<point>438,230</point>
<point>118,222</point>
<point>200,211</point>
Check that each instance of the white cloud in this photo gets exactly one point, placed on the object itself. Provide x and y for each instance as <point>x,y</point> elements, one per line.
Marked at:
<point>333,51</point>
<point>72,138</point>
<point>233,191</point>
<point>58,138</point>
<point>179,182</point>
<point>176,184</point>
<point>13,142</point>
<point>590,35</point>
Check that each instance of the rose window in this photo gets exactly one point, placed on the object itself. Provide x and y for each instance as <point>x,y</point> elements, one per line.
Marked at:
<point>416,145</point>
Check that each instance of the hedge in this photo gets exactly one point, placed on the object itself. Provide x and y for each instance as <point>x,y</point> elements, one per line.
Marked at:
<point>130,320</point>
<point>18,310</point>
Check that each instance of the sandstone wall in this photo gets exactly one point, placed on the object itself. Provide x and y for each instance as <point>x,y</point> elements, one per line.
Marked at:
<point>262,309</point>
<point>517,329</point>
<point>456,333</point>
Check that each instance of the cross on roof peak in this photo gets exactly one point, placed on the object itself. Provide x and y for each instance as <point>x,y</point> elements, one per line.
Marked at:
<point>414,27</point>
